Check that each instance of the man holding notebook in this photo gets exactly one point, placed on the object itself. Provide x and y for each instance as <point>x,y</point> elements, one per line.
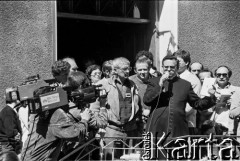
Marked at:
<point>224,92</point>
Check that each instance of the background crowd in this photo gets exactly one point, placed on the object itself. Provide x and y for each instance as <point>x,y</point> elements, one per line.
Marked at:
<point>132,102</point>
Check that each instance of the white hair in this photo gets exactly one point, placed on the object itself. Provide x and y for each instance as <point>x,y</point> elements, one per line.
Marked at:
<point>120,62</point>
<point>68,58</point>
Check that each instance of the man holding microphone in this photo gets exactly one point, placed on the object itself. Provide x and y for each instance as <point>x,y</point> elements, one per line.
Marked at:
<point>167,96</point>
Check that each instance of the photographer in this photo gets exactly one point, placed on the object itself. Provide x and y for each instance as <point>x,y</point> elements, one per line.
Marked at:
<point>78,81</point>
<point>49,129</point>
<point>10,126</point>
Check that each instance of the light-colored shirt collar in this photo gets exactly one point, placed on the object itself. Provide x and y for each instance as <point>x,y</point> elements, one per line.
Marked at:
<point>226,87</point>
<point>184,74</point>
<point>11,105</point>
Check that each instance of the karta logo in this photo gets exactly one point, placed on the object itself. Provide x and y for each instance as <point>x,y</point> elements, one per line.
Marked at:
<point>189,148</point>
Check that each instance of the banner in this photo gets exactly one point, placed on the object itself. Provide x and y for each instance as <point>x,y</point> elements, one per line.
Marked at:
<point>165,35</point>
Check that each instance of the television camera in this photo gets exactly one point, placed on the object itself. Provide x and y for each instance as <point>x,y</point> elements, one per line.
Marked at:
<point>43,95</point>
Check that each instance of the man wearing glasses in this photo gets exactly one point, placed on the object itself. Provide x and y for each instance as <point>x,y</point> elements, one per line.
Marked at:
<point>224,87</point>
<point>122,105</point>
<point>167,96</point>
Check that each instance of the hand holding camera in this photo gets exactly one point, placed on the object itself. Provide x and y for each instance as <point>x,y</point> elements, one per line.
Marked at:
<point>102,97</point>
<point>86,115</point>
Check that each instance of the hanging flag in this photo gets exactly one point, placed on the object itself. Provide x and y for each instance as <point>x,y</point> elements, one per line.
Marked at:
<point>136,12</point>
<point>165,35</point>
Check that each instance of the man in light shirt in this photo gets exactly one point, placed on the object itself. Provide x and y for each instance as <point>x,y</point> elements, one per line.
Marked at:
<point>221,112</point>
<point>184,62</point>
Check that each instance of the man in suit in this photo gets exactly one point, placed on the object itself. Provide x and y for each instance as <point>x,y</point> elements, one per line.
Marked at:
<point>167,96</point>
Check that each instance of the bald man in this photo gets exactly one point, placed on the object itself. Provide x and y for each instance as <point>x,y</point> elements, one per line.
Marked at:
<point>196,67</point>
<point>72,63</point>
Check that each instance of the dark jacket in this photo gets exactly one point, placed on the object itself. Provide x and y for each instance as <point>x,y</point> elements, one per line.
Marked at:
<point>46,135</point>
<point>168,110</point>
<point>10,124</point>
<point>10,127</point>
<point>142,86</point>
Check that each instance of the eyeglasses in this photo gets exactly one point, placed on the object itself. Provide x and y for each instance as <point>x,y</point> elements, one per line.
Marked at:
<point>223,74</point>
<point>97,73</point>
<point>171,67</point>
<point>126,68</point>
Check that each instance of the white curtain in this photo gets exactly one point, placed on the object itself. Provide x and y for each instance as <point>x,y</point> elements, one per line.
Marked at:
<point>165,35</point>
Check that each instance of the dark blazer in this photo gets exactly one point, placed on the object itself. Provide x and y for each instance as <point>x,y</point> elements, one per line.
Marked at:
<point>168,110</point>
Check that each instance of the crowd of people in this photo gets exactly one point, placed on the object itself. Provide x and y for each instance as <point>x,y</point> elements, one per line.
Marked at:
<point>129,105</point>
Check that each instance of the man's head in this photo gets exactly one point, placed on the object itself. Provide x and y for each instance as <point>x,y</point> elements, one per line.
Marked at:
<point>205,73</point>
<point>223,74</point>
<point>11,96</point>
<point>170,64</point>
<point>196,67</point>
<point>94,73</point>
<point>121,67</point>
<point>184,60</point>
<point>107,68</point>
<point>78,80</point>
<point>146,54</point>
<point>142,68</point>
<point>60,71</point>
<point>72,63</point>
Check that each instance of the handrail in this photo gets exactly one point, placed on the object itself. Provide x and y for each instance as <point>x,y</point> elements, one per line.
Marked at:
<point>88,143</point>
<point>74,151</point>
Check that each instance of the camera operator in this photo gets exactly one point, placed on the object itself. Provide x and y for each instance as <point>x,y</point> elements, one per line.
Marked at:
<point>78,80</point>
<point>10,126</point>
<point>50,128</point>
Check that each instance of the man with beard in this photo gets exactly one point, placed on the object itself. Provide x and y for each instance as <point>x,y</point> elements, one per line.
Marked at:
<point>122,104</point>
<point>167,95</point>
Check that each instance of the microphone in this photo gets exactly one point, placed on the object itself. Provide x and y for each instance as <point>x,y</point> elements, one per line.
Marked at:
<point>167,74</point>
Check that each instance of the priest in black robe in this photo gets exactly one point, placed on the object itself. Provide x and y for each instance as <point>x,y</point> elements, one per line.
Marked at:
<point>167,95</point>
